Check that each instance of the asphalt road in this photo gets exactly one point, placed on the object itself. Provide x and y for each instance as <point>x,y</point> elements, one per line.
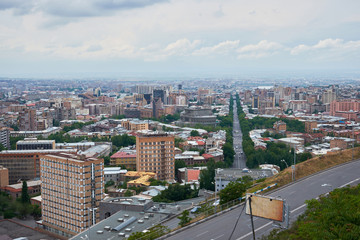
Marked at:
<point>295,194</point>
<point>239,159</point>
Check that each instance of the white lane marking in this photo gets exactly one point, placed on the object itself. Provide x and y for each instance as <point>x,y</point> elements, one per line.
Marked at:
<point>246,235</point>
<point>349,183</point>
<point>316,175</point>
<point>298,208</point>
<point>217,237</point>
<point>201,234</point>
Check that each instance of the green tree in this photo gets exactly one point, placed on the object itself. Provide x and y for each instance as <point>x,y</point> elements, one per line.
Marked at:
<point>155,182</point>
<point>153,233</point>
<point>25,198</point>
<point>176,192</point>
<point>207,176</point>
<point>123,140</point>
<point>2,147</point>
<point>107,160</point>
<point>179,164</point>
<point>194,133</point>
<point>234,190</point>
<point>184,218</point>
<point>24,209</point>
<point>335,216</point>
<point>229,153</point>
<point>15,127</point>
<point>128,193</point>
<point>36,212</point>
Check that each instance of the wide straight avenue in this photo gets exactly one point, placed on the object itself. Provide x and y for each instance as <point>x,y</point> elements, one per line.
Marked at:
<point>295,194</point>
<point>239,159</point>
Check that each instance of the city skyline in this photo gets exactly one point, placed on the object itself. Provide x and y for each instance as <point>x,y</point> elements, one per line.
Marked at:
<point>46,38</point>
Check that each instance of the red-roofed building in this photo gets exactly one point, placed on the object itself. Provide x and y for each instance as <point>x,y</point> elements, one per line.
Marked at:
<point>124,158</point>
<point>217,156</point>
<point>193,175</point>
<point>196,138</point>
<point>207,156</point>
<point>14,190</point>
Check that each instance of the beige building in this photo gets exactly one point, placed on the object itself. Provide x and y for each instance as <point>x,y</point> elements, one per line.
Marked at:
<point>72,188</point>
<point>310,125</point>
<point>134,124</point>
<point>4,176</point>
<point>342,143</point>
<point>124,158</point>
<point>280,126</point>
<point>155,153</point>
<point>25,164</point>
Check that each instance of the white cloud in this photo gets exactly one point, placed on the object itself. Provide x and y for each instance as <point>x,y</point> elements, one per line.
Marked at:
<point>329,45</point>
<point>223,48</point>
<point>193,31</point>
<point>262,49</point>
<point>181,47</point>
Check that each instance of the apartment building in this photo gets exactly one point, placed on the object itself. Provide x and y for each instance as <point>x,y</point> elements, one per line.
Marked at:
<point>134,124</point>
<point>5,137</point>
<point>72,188</point>
<point>155,152</point>
<point>4,176</point>
<point>126,159</point>
<point>27,120</point>
<point>310,125</point>
<point>24,164</point>
<point>33,143</point>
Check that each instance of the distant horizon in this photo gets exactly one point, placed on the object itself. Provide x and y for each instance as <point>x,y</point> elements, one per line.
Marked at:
<point>354,74</point>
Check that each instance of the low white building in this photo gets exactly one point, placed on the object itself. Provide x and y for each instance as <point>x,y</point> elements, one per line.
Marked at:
<point>224,176</point>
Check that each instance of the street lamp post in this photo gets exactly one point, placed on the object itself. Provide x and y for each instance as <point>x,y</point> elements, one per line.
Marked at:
<point>294,161</point>
<point>283,160</point>
<point>353,140</point>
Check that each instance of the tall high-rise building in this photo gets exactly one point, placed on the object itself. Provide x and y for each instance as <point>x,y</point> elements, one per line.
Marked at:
<point>27,120</point>
<point>71,190</point>
<point>5,137</point>
<point>328,96</point>
<point>155,152</point>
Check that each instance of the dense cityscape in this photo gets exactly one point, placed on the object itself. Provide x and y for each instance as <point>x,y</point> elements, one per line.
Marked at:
<point>84,156</point>
<point>173,120</point>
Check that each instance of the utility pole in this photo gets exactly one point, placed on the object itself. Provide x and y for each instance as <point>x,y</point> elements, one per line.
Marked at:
<point>294,161</point>
<point>353,142</point>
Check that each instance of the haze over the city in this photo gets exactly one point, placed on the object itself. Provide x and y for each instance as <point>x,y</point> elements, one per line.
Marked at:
<point>106,38</point>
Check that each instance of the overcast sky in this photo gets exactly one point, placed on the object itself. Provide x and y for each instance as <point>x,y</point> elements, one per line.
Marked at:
<point>185,36</point>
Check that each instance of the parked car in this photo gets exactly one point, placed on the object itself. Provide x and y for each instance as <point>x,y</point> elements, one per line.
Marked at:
<point>217,202</point>
<point>194,210</point>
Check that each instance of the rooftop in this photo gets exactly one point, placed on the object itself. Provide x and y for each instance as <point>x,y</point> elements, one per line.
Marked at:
<point>121,223</point>
<point>14,230</point>
<point>42,151</point>
<point>29,184</point>
<point>123,155</point>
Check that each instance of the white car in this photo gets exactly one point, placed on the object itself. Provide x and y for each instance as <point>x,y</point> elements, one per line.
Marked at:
<point>217,202</point>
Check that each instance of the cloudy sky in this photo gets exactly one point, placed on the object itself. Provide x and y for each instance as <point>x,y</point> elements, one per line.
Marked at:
<point>185,36</point>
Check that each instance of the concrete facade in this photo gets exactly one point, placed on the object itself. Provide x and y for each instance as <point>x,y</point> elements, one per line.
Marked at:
<point>155,153</point>
<point>72,188</point>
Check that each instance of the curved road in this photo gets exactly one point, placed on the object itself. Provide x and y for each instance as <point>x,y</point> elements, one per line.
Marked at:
<point>220,227</point>
<point>239,159</point>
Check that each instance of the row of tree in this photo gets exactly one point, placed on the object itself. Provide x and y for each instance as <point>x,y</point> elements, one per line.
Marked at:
<point>176,192</point>
<point>20,207</point>
<point>275,152</point>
